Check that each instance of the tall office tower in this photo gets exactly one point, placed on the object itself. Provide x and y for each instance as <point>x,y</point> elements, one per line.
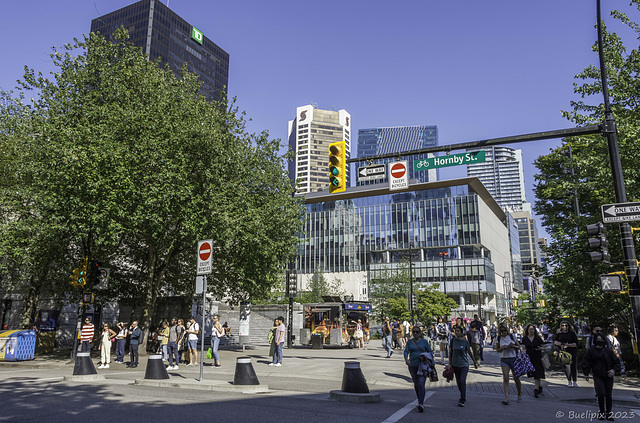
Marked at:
<point>310,134</point>
<point>529,251</point>
<point>162,33</point>
<point>375,141</point>
<point>503,176</point>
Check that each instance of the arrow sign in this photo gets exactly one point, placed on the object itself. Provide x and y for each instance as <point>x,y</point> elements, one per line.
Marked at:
<point>203,266</point>
<point>621,212</point>
<point>371,172</point>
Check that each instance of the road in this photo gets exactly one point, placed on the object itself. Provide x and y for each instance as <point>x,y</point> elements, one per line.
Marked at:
<point>298,392</point>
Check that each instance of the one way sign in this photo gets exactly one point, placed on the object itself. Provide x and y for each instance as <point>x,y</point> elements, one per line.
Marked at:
<point>621,212</point>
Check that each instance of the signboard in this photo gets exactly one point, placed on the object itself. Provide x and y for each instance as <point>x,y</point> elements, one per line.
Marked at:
<point>351,306</point>
<point>371,172</point>
<point>197,35</point>
<point>450,160</point>
<point>621,212</point>
<point>611,283</point>
<point>398,176</point>
<point>204,257</point>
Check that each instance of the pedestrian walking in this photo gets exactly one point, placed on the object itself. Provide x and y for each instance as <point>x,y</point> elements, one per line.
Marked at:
<point>475,337</point>
<point>493,332</point>
<point>121,340</point>
<point>603,363</point>
<point>534,345</point>
<point>134,343</point>
<point>387,337</point>
<point>567,340</point>
<point>416,346</point>
<point>400,336</point>
<point>459,353</point>
<point>86,335</point>
<point>443,337</point>
<point>615,345</point>
<point>279,342</point>
<point>105,346</point>
<point>216,333</point>
<point>193,331</point>
<point>507,345</point>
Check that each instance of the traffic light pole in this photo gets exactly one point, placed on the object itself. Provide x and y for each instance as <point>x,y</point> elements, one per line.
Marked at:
<point>628,247</point>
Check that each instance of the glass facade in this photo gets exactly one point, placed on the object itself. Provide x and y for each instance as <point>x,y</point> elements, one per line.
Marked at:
<point>381,233</point>
<point>374,141</point>
<point>162,33</point>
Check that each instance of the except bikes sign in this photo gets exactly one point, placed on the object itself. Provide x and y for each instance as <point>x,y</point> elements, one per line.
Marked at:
<point>450,160</point>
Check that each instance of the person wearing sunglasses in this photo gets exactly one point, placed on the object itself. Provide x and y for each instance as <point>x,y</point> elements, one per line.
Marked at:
<point>567,340</point>
<point>507,345</point>
<point>415,346</point>
<point>87,334</point>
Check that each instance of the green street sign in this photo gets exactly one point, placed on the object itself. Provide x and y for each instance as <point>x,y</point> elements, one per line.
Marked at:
<point>450,160</point>
<point>197,35</point>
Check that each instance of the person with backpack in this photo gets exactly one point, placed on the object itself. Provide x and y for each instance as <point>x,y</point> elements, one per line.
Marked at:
<point>567,340</point>
<point>507,345</point>
<point>443,337</point>
<point>416,346</point>
<point>175,334</point>
<point>603,363</point>
<point>459,353</point>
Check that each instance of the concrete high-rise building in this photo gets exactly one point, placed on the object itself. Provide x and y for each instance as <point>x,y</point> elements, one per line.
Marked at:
<point>503,176</point>
<point>310,134</point>
<point>375,141</point>
<point>529,250</point>
<point>160,32</point>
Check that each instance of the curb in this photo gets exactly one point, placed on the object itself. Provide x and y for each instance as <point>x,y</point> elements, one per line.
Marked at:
<point>207,386</point>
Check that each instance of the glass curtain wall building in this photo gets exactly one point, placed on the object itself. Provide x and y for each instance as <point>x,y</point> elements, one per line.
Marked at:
<point>375,141</point>
<point>160,32</point>
<point>361,236</point>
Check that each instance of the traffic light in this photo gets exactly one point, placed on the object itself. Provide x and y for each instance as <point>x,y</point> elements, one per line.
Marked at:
<point>611,282</point>
<point>337,167</point>
<point>75,276</point>
<point>82,275</point>
<point>413,302</point>
<point>599,243</point>
<point>515,303</point>
<point>94,273</point>
<point>87,298</point>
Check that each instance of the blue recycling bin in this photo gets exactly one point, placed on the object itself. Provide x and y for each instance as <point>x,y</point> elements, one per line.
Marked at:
<point>17,345</point>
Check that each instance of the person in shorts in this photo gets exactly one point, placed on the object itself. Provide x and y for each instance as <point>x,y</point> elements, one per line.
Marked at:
<point>507,345</point>
<point>193,331</point>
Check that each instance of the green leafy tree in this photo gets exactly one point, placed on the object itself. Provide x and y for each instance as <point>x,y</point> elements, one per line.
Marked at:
<point>574,280</point>
<point>134,167</point>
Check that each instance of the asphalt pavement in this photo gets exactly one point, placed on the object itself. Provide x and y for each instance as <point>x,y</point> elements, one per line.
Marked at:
<point>36,390</point>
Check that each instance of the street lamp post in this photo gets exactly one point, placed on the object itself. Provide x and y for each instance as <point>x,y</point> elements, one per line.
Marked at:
<point>444,256</point>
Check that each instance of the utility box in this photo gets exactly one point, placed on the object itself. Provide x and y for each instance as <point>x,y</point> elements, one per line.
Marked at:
<point>17,345</point>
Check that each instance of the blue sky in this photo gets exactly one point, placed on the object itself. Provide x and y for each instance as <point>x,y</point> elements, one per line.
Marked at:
<point>476,69</point>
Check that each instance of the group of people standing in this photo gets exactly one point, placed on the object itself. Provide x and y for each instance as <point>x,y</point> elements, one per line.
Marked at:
<point>174,339</point>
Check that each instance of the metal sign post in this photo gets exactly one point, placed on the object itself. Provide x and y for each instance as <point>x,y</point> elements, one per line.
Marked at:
<point>203,268</point>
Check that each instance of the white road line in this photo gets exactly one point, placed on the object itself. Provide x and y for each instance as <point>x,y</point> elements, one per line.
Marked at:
<point>405,410</point>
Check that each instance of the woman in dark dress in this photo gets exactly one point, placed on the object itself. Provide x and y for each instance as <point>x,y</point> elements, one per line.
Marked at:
<point>602,362</point>
<point>567,340</point>
<point>534,344</point>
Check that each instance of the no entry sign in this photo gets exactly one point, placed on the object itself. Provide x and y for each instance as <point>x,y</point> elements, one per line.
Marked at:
<point>398,176</point>
<point>204,257</point>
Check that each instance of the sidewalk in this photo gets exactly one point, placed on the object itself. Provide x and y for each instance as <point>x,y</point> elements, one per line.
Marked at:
<point>327,365</point>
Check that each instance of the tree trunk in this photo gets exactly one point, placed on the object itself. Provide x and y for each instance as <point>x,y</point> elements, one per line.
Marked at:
<point>30,305</point>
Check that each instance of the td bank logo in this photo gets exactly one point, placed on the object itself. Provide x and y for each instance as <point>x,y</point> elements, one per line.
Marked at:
<point>197,35</point>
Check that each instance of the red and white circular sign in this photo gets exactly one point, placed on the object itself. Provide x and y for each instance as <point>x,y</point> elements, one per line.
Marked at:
<point>398,170</point>
<point>205,251</point>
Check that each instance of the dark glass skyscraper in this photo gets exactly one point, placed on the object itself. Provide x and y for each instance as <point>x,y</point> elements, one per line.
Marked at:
<point>374,141</point>
<point>160,32</point>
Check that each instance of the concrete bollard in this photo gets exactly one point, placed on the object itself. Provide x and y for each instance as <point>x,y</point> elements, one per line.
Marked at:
<point>84,365</point>
<point>353,380</point>
<point>155,368</point>
<point>354,386</point>
<point>245,375</point>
